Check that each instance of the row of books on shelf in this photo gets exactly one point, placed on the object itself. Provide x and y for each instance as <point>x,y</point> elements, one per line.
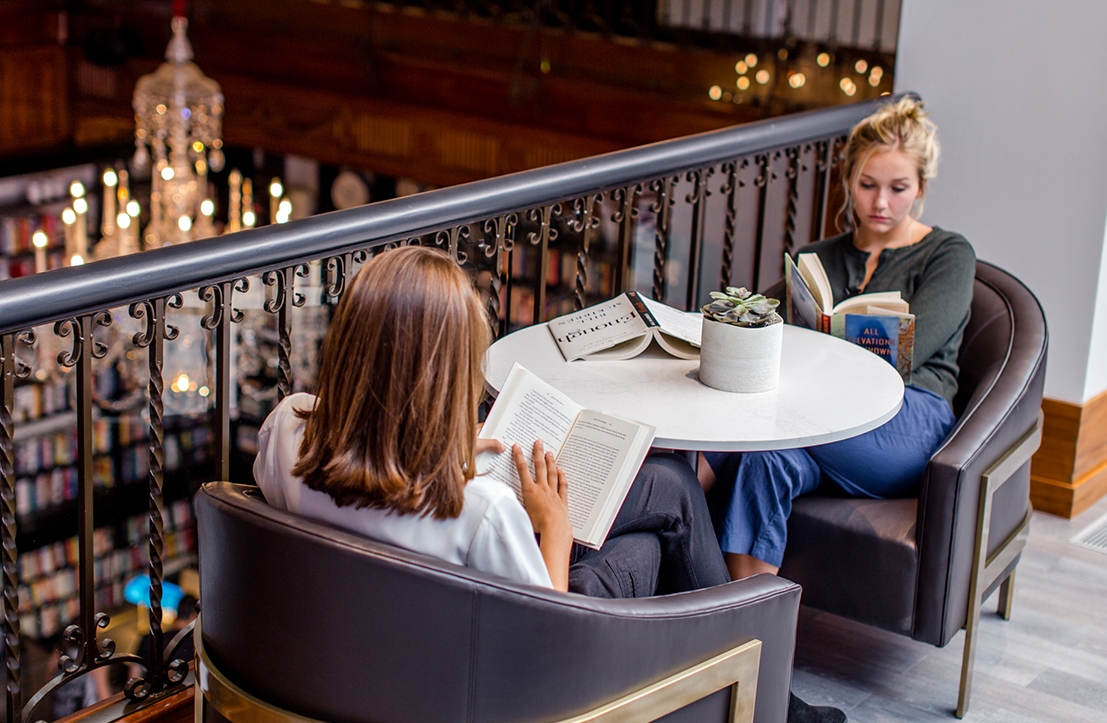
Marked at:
<point>562,269</point>
<point>46,486</point>
<point>17,230</point>
<point>58,485</point>
<point>41,399</point>
<point>48,594</point>
<point>25,266</point>
<point>59,448</point>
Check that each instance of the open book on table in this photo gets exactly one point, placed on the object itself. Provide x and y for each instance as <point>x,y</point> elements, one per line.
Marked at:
<point>623,327</point>
<point>600,453</point>
<point>880,321</point>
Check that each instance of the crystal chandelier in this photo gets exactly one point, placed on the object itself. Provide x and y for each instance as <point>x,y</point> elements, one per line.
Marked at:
<point>178,124</point>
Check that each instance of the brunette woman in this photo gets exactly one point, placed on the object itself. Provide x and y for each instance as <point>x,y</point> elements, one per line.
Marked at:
<point>890,159</point>
<point>387,449</point>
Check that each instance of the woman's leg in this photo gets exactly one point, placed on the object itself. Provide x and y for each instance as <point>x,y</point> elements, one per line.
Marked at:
<point>625,566</point>
<point>755,490</point>
<point>666,501</point>
<point>889,461</point>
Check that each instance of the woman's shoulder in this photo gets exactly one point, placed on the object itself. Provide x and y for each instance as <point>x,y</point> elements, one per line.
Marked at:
<point>831,245</point>
<point>949,241</point>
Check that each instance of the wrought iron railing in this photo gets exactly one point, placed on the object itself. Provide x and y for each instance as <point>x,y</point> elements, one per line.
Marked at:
<point>675,219</point>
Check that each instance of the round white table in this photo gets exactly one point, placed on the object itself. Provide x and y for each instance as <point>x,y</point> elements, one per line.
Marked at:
<point>829,390</point>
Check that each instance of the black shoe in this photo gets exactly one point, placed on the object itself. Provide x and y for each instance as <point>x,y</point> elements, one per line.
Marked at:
<point>800,712</point>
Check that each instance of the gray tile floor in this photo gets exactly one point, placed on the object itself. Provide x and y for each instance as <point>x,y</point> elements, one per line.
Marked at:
<point>1048,663</point>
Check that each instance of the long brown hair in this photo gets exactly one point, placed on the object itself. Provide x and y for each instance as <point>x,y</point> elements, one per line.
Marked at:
<point>398,388</point>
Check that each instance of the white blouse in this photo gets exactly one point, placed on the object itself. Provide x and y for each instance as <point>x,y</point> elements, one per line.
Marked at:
<point>492,534</point>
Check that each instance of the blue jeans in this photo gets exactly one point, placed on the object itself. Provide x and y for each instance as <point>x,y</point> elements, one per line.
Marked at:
<point>662,540</point>
<point>756,489</point>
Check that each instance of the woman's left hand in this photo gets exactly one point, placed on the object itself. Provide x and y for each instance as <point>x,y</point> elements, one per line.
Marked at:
<point>488,445</point>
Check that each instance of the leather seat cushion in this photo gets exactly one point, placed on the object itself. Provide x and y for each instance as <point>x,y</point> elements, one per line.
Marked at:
<point>829,537</point>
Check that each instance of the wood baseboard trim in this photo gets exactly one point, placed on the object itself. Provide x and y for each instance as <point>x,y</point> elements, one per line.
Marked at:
<point>1069,472</point>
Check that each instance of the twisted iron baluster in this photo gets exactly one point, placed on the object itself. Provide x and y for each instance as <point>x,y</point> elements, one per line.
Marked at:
<point>11,368</point>
<point>822,188</point>
<point>698,198</point>
<point>793,174</point>
<point>625,216</point>
<point>542,237</point>
<point>765,174</point>
<point>663,207</point>
<point>584,219</point>
<point>283,283</point>
<point>498,245</point>
<point>730,188</point>
<point>153,337</point>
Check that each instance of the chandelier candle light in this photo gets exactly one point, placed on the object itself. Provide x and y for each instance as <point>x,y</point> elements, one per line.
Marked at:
<point>178,124</point>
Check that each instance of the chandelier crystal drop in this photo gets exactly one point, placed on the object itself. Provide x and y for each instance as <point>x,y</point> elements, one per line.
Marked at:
<point>178,129</point>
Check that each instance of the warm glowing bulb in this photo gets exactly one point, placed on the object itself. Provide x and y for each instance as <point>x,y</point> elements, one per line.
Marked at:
<point>110,178</point>
<point>248,218</point>
<point>845,83</point>
<point>123,221</point>
<point>751,60</point>
<point>184,223</point>
<point>68,217</point>
<point>180,384</point>
<point>877,71</point>
<point>207,207</point>
<point>823,59</point>
<point>861,66</point>
<point>133,208</point>
<point>167,174</point>
<point>715,93</point>
<point>743,83</point>
<point>797,80</point>
<point>76,260</point>
<point>276,190</point>
<point>80,205</point>
<point>874,80</point>
<point>76,189</point>
<point>39,239</point>
<point>740,67</point>
<point>762,76</point>
<point>197,146</point>
<point>204,391</point>
<point>285,206</point>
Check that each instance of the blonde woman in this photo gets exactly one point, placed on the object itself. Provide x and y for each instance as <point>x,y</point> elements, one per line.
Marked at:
<point>890,159</point>
<point>388,447</point>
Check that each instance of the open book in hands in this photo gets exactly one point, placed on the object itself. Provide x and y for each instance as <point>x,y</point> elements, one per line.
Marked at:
<point>600,453</point>
<point>623,327</point>
<point>880,321</point>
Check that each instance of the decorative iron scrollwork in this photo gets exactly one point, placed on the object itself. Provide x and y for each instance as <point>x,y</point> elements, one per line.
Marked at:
<point>662,206</point>
<point>452,240</point>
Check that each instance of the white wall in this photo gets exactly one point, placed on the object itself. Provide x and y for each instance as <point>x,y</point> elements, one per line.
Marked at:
<point>1019,94</point>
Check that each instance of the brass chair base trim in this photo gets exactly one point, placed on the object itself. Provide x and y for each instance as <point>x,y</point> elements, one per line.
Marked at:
<point>985,568</point>
<point>737,667</point>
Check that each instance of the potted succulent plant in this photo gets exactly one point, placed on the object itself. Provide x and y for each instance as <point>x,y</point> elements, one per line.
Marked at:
<point>740,345</point>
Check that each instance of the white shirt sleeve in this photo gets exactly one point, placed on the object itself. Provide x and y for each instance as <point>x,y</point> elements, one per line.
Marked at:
<point>504,544</point>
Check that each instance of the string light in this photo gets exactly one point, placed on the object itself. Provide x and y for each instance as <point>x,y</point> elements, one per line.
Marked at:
<point>762,76</point>
<point>823,59</point>
<point>715,92</point>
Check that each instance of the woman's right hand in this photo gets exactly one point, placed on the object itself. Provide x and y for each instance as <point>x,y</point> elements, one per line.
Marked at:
<point>546,500</point>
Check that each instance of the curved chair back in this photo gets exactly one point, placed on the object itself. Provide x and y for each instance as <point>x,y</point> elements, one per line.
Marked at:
<point>921,567</point>
<point>336,627</point>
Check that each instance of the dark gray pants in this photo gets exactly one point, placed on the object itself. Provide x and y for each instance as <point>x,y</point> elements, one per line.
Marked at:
<point>661,542</point>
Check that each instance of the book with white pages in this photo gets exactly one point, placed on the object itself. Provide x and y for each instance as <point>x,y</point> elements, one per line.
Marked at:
<point>623,327</point>
<point>599,453</point>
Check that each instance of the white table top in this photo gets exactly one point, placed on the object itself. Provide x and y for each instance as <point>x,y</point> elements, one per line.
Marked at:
<point>829,390</point>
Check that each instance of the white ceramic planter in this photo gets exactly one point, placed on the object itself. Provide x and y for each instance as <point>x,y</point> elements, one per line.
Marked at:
<point>740,358</point>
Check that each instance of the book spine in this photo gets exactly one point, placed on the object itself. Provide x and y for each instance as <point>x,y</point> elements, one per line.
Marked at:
<point>642,309</point>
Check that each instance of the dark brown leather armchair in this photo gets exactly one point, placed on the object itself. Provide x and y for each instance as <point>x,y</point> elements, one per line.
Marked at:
<point>304,621</point>
<point>921,567</point>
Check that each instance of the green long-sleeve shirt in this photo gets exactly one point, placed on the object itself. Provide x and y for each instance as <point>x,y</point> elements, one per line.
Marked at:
<point>935,276</point>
